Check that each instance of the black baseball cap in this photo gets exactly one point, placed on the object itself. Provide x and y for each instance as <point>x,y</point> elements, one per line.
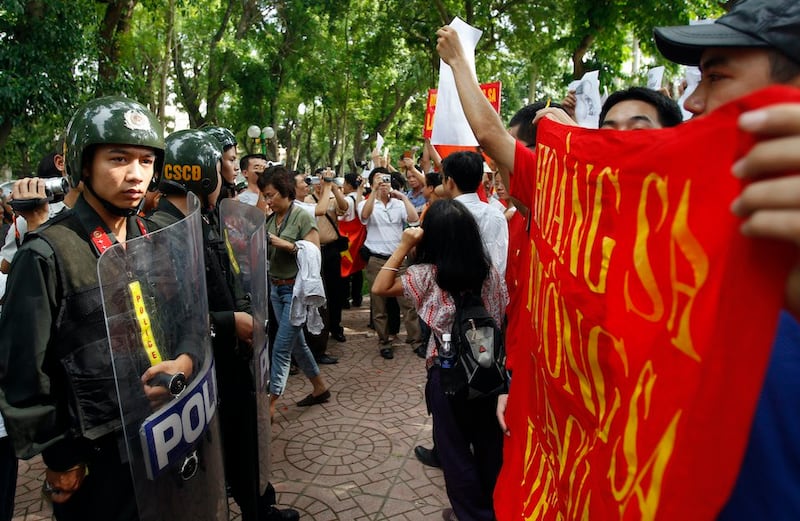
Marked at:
<point>751,23</point>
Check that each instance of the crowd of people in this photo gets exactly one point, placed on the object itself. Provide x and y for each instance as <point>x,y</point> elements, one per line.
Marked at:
<point>431,230</point>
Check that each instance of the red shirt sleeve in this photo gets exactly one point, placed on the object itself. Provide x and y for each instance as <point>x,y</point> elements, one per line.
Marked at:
<point>522,178</point>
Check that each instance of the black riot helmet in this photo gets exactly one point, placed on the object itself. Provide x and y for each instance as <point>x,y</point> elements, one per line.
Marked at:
<point>224,137</point>
<point>191,163</point>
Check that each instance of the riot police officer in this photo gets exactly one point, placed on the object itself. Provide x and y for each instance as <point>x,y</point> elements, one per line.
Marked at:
<point>58,395</point>
<point>229,162</point>
<point>192,164</point>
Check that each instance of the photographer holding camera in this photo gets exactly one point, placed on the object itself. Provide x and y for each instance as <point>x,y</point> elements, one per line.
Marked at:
<point>349,224</point>
<point>35,200</point>
<point>385,214</point>
<point>329,203</point>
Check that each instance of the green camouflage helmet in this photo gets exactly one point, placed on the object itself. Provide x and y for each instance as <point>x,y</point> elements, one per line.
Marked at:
<point>111,120</point>
<point>224,137</point>
<point>190,163</point>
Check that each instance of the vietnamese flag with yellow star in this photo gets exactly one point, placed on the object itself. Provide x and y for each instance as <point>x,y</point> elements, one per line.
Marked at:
<point>356,234</point>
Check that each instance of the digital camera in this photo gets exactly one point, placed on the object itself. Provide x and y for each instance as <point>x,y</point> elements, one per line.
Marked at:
<point>56,188</point>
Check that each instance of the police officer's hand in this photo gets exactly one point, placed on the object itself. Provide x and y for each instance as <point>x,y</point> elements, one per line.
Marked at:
<point>32,188</point>
<point>243,322</point>
<point>58,487</point>
<point>158,394</point>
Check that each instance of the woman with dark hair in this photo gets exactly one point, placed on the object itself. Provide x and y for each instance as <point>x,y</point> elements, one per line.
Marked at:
<point>450,260</point>
<point>285,228</point>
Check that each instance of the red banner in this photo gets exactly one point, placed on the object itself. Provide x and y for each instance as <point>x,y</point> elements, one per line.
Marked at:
<point>647,354</point>
<point>357,234</point>
<point>490,90</point>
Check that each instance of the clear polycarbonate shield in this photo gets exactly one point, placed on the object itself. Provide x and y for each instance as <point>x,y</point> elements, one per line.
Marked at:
<point>154,299</point>
<point>243,227</point>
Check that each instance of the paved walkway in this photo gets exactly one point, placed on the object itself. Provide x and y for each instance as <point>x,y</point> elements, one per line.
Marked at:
<point>350,459</point>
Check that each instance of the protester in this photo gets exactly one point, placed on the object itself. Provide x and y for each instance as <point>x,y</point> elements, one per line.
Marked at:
<point>450,260</point>
<point>462,173</point>
<point>737,57</point>
<point>755,45</point>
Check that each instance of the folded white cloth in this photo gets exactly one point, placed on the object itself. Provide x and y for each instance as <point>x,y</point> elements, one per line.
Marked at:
<point>309,293</point>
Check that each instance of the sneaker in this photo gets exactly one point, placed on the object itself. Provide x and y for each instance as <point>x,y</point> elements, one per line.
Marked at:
<point>387,353</point>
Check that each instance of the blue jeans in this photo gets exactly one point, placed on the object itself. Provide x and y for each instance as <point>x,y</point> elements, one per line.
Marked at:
<point>288,341</point>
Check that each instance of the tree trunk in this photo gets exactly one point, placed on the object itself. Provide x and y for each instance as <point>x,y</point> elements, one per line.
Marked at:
<point>578,68</point>
<point>116,21</point>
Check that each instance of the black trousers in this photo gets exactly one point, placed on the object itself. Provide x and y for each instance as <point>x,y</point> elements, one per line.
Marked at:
<point>352,286</point>
<point>8,479</point>
<point>332,312</point>
<point>334,285</point>
<point>470,446</point>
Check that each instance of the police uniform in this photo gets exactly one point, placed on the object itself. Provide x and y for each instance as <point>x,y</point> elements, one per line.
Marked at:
<point>237,407</point>
<point>58,393</point>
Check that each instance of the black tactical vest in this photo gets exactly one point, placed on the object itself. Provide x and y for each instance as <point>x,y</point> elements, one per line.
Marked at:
<point>78,352</point>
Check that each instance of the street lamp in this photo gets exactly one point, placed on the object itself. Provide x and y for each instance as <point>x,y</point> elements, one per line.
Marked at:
<point>261,135</point>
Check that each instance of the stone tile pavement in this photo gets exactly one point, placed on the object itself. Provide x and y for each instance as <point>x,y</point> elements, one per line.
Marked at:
<point>349,459</point>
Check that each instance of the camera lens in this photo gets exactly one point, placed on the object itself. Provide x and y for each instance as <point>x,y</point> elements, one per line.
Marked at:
<point>56,188</point>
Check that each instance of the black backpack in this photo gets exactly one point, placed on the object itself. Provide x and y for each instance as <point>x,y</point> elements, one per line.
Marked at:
<point>478,344</point>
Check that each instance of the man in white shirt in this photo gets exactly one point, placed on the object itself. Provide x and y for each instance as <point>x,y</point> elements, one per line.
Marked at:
<point>251,166</point>
<point>385,214</point>
<point>461,177</point>
<point>353,190</point>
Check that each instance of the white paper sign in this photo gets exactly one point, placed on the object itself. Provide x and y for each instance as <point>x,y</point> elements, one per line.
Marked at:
<point>692,76</point>
<point>654,77</point>
<point>450,125</point>
<point>587,95</point>
<point>379,144</point>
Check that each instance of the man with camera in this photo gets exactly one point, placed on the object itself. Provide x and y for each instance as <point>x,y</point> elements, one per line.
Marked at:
<point>353,189</point>
<point>329,203</point>
<point>29,195</point>
<point>385,214</point>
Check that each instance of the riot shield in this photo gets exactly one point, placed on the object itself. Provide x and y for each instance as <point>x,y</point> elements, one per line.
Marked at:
<point>154,299</point>
<point>243,227</point>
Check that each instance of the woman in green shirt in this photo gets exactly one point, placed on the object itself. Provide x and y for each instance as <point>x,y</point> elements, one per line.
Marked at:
<point>287,225</point>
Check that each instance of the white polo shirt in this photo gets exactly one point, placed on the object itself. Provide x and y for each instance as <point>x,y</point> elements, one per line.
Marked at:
<point>384,226</point>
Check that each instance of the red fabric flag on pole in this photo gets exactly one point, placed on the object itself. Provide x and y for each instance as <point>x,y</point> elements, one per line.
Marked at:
<point>647,358</point>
